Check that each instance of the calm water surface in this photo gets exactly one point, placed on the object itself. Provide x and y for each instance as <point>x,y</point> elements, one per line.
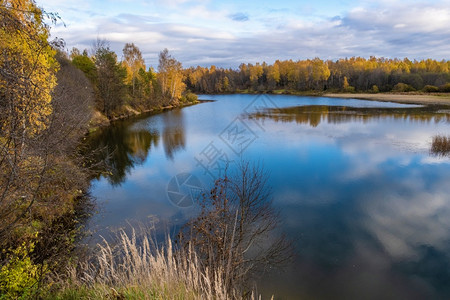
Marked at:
<point>367,206</point>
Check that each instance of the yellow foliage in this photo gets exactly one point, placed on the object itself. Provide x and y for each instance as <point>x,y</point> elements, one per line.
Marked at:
<point>29,67</point>
<point>345,84</point>
<point>132,61</point>
<point>170,76</point>
<point>274,73</point>
<point>256,72</point>
<point>20,276</point>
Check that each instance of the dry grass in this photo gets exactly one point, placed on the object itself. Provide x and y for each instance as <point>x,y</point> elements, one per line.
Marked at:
<point>440,145</point>
<point>424,99</point>
<point>135,268</point>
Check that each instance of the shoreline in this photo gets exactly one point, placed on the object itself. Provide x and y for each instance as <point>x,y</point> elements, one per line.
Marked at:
<point>155,110</point>
<point>100,121</point>
<point>405,98</point>
<point>398,98</point>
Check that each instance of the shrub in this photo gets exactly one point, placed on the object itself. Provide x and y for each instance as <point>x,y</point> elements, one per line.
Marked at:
<point>375,89</point>
<point>349,89</point>
<point>430,89</point>
<point>403,87</point>
<point>445,88</point>
<point>19,277</point>
<point>191,97</point>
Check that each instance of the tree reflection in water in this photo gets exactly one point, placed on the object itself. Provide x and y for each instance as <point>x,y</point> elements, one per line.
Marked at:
<point>173,132</point>
<point>313,115</point>
<point>114,150</point>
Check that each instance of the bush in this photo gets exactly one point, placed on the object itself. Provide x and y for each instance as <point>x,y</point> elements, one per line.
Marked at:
<point>430,89</point>
<point>349,89</point>
<point>403,87</point>
<point>445,88</point>
<point>189,98</point>
<point>19,277</point>
<point>375,89</point>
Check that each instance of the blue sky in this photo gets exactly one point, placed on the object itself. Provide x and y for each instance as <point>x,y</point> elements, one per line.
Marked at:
<point>227,33</point>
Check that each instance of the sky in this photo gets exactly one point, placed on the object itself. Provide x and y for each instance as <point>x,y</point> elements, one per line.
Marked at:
<point>228,33</point>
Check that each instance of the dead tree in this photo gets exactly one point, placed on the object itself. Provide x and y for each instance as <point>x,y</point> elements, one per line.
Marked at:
<point>236,232</point>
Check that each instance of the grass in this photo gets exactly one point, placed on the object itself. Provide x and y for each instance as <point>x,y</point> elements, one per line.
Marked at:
<point>135,268</point>
<point>440,145</point>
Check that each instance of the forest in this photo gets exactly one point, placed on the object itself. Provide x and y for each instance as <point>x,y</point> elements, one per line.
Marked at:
<point>355,74</point>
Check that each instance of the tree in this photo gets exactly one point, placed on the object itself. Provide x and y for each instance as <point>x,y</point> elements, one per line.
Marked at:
<point>235,231</point>
<point>85,64</point>
<point>133,62</point>
<point>27,69</point>
<point>345,85</point>
<point>111,79</point>
<point>39,126</point>
<point>27,78</point>
<point>226,84</point>
<point>256,72</point>
<point>319,72</point>
<point>273,76</point>
<point>170,77</point>
<point>74,52</point>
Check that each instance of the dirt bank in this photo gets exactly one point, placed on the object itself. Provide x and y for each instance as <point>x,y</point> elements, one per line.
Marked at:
<point>442,99</point>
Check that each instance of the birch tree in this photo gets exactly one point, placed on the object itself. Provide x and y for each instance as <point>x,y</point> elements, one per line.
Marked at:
<point>170,77</point>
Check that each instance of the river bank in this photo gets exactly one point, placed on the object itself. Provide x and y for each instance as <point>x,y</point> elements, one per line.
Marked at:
<point>100,120</point>
<point>442,99</point>
<point>406,98</point>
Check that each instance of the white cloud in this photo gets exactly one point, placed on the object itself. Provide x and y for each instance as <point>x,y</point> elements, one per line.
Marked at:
<point>206,32</point>
<point>403,223</point>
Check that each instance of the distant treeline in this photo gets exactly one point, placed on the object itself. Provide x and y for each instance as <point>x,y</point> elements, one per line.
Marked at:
<point>345,75</point>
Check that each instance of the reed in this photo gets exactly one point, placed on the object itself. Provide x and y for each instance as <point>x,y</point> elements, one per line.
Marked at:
<point>440,145</point>
<point>136,268</point>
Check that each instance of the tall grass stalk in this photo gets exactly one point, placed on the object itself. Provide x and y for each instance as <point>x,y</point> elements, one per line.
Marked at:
<point>440,145</point>
<point>136,268</point>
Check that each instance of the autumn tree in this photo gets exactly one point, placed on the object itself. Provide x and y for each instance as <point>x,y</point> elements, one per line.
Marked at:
<point>133,62</point>
<point>345,84</point>
<point>27,78</point>
<point>170,77</point>
<point>27,69</point>
<point>319,72</point>
<point>226,84</point>
<point>273,76</point>
<point>39,128</point>
<point>256,71</point>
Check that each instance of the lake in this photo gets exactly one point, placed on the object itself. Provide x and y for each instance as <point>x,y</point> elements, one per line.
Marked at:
<point>364,202</point>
